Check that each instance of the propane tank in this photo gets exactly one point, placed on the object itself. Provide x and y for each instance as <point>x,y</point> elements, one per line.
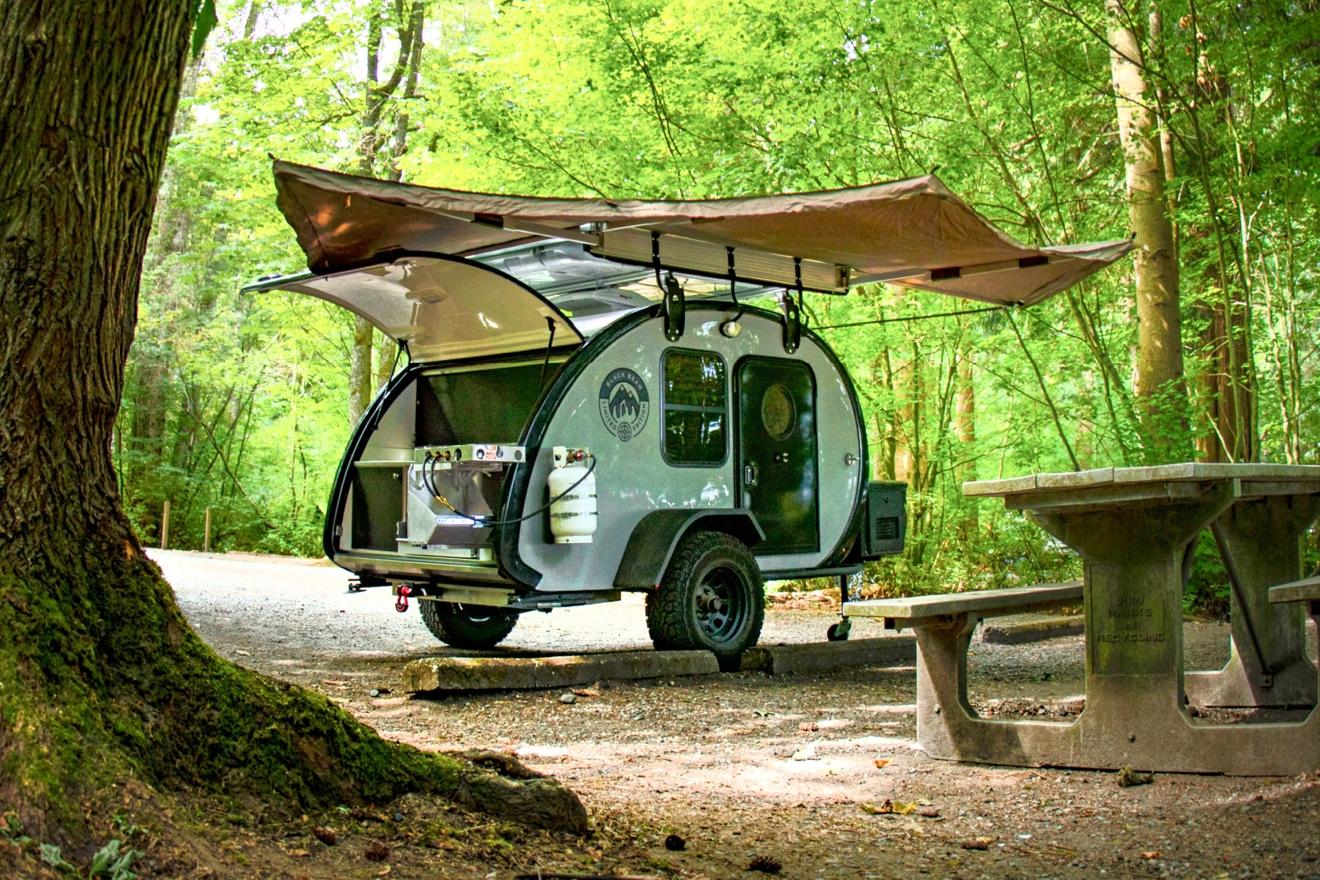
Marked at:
<point>573,517</point>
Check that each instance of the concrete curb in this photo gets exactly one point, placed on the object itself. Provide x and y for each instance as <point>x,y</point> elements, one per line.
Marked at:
<point>531,673</point>
<point>1023,632</point>
<point>524,673</point>
<point>830,656</point>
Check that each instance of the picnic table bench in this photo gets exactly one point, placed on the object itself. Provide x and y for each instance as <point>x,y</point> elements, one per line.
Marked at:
<point>1305,590</point>
<point>943,625</point>
<point>1133,528</point>
<point>938,610</point>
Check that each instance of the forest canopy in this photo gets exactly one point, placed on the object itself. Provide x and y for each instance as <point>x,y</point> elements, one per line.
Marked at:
<point>1194,126</point>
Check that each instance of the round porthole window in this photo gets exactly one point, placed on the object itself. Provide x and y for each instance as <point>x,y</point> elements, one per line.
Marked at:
<point>778,415</point>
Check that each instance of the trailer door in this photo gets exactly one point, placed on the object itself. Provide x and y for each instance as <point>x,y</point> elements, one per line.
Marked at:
<point>777,451</point>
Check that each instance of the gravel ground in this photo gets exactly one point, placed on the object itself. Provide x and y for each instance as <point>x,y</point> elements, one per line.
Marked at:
<point>237,597</point>
<point>795,768</point>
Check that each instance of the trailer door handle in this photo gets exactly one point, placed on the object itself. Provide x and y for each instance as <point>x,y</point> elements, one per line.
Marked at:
<point>749,475</point>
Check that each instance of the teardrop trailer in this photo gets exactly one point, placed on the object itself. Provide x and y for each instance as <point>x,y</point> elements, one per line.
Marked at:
<point>576,420</point>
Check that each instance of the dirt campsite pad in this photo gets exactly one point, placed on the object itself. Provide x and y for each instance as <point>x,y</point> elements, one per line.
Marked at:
<point>813,775</point>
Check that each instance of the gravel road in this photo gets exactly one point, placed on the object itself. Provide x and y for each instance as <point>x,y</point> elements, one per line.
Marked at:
<point>298,608</point>
<point>790,767</point>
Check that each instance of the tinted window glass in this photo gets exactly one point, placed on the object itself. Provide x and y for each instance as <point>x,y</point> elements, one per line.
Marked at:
<point>477,406</point>
<point>696,411</point>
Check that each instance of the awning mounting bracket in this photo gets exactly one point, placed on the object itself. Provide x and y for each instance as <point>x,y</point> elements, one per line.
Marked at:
<point>672,304</point>
<point>793,311</point>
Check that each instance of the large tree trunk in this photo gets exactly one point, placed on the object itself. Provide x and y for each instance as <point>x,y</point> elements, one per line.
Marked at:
<point>362,382</point>
<point>908,404</point>
<point>1228,388</point>
<point>1159,367</point>
<point>100,676</point>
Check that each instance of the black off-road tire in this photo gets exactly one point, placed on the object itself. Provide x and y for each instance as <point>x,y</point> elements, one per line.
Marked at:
<point>712,598</point>
<point>466,626</point>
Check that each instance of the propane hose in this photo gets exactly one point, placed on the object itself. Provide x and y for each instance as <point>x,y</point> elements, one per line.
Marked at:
<point>428,479</point>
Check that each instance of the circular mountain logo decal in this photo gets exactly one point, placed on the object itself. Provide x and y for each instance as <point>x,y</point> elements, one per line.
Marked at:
<point>624,403</point>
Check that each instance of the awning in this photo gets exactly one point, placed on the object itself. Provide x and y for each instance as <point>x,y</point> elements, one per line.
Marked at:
<point>915,233</point>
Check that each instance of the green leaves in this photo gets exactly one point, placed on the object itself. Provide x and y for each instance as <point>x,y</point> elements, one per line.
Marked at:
<point>113,862</point>
<point>691,98</point>
<point>204,21</point>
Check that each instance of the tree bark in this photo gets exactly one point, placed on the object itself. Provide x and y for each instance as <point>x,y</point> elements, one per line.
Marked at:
<point>907,419</point>
<point>402,119</point>
<point>1159,369</point>
<point>1228,388</point>
<point>965,414</point>
<point>79,174</point>
<point>965,426</point>
<point>361,379</point>
<point>101,679</point>
<point>252,19</point>
<point>387,355</point>
<point>360,384</point>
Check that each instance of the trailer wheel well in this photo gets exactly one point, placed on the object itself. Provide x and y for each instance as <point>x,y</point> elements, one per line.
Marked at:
<point>658,534</point>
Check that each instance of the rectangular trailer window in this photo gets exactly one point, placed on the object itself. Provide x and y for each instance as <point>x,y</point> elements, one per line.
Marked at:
<point>695,410</point>
<point>486,404</point>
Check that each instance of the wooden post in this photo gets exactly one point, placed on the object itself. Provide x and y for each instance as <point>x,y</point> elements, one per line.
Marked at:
<point>206,532</point>
<point>165,527</point>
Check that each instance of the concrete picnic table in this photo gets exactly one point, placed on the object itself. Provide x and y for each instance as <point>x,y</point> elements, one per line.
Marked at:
<point>1132,528</point>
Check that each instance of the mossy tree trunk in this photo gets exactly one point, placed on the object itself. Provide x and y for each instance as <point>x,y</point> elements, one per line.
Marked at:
<point>100,676</point>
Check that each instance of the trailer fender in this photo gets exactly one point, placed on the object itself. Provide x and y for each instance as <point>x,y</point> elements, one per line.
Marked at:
<point>656,536</point>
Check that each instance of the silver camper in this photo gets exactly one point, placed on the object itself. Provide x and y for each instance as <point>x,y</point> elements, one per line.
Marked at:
<point>604,397</point>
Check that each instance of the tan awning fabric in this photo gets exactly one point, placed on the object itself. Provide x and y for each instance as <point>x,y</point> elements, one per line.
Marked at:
<point>911,232</point>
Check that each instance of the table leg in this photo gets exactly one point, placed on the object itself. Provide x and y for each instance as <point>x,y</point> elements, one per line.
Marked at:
<point>1135,713</point>
<point>1134,668</point>
<point>948,727</point>
<point>1133,603</point>
<point>943,712</point>
<point>1268,665</point>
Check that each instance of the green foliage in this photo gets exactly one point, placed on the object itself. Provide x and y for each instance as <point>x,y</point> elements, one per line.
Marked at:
<point>1208,592</point>
<point>51,855</point>
<point>1004,551</point>
<point>11,829</point>
<point>113,862</point>
<point>236,402</point>
<point>204,21</point>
